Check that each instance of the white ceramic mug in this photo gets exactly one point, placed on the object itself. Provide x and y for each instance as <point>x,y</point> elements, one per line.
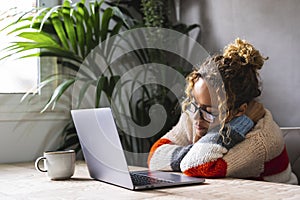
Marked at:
<point>59,165</point>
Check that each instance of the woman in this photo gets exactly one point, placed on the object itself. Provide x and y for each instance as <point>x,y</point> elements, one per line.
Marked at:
<point>223,131</point>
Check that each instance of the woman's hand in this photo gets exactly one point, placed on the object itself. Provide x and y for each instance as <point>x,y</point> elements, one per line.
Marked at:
<point>255,111</point>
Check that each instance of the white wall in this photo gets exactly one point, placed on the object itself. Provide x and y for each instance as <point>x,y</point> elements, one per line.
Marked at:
<point>273,27</point>
<point>25,133</point>
<point>25,140</point>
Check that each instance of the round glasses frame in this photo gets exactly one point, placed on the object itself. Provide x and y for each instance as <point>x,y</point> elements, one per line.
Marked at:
<point>204,114</point>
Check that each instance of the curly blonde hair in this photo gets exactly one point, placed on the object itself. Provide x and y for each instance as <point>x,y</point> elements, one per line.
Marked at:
<point>233,77</point>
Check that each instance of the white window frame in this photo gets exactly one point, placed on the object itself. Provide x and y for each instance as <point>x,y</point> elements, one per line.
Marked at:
<point>11,107</point>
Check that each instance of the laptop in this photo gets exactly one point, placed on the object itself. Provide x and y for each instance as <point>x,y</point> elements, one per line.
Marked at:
<point>105,158</point>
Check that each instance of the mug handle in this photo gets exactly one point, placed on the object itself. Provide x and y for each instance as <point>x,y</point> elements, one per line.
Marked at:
<point>37,164</point>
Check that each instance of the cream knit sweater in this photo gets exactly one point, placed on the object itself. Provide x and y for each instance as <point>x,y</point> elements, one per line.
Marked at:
<point>260,155</point>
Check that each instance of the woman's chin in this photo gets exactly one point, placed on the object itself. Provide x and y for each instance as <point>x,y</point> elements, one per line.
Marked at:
<point>201,132</point>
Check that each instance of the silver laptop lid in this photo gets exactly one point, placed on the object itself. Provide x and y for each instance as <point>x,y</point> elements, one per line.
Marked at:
<point>101,146</point>
<point>104,154</point>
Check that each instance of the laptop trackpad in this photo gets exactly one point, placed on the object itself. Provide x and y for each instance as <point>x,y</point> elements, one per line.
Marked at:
<point>171,176</point>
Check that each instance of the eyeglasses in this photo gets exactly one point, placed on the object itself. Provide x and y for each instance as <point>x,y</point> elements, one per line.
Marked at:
<point>204,114</point>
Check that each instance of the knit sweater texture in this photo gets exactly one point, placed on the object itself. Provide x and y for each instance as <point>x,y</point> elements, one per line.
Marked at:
<point>253,152</point>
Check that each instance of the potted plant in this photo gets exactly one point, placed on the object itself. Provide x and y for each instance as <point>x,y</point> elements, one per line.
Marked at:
<point>156,13</point>
<point>70,32</point>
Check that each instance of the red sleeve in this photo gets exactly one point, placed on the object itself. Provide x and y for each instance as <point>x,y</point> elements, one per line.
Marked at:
<point>157,144</point>
<point>212,169</point>
<point>276,165</point>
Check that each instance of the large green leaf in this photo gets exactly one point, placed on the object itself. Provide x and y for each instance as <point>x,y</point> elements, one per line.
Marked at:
<point>83,91</point>
<point>69,25</point>
<point>46,15</point>
<point>89,35</point>
<point>111,45</point>
<point>118,13</point>
<point>102,83</point>
<point>58,92</point>
<point>83,10</point>
<point>40,37</point>
<point>80,32</point>
<point>39,17</point>
<point>48,81</point>
<point>108,13</point>
<point>58,26</point>
<point>95,7</point>
<point>112,83</point>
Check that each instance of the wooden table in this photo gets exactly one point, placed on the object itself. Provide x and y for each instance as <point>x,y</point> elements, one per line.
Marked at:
<point>22,181</point>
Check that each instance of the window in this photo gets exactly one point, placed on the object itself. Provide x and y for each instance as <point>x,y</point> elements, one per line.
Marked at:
<point>16,76</point>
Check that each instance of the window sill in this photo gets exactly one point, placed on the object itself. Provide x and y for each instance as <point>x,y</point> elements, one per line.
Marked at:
<point>33,116</point>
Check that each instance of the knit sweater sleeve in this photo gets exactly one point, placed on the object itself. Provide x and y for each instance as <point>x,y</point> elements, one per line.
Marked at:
<point>262,155</point>
<point>205,158</point>
<point>168,151</point>
<point>175,151</point>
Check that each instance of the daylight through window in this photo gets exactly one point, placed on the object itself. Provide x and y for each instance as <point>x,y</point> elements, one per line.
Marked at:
<point>16,75</point>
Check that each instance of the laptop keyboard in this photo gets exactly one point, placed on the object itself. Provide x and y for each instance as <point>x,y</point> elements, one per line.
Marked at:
<point>139,179</point>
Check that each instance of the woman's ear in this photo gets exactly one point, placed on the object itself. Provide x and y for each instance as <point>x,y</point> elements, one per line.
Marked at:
<point>241,110</point>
